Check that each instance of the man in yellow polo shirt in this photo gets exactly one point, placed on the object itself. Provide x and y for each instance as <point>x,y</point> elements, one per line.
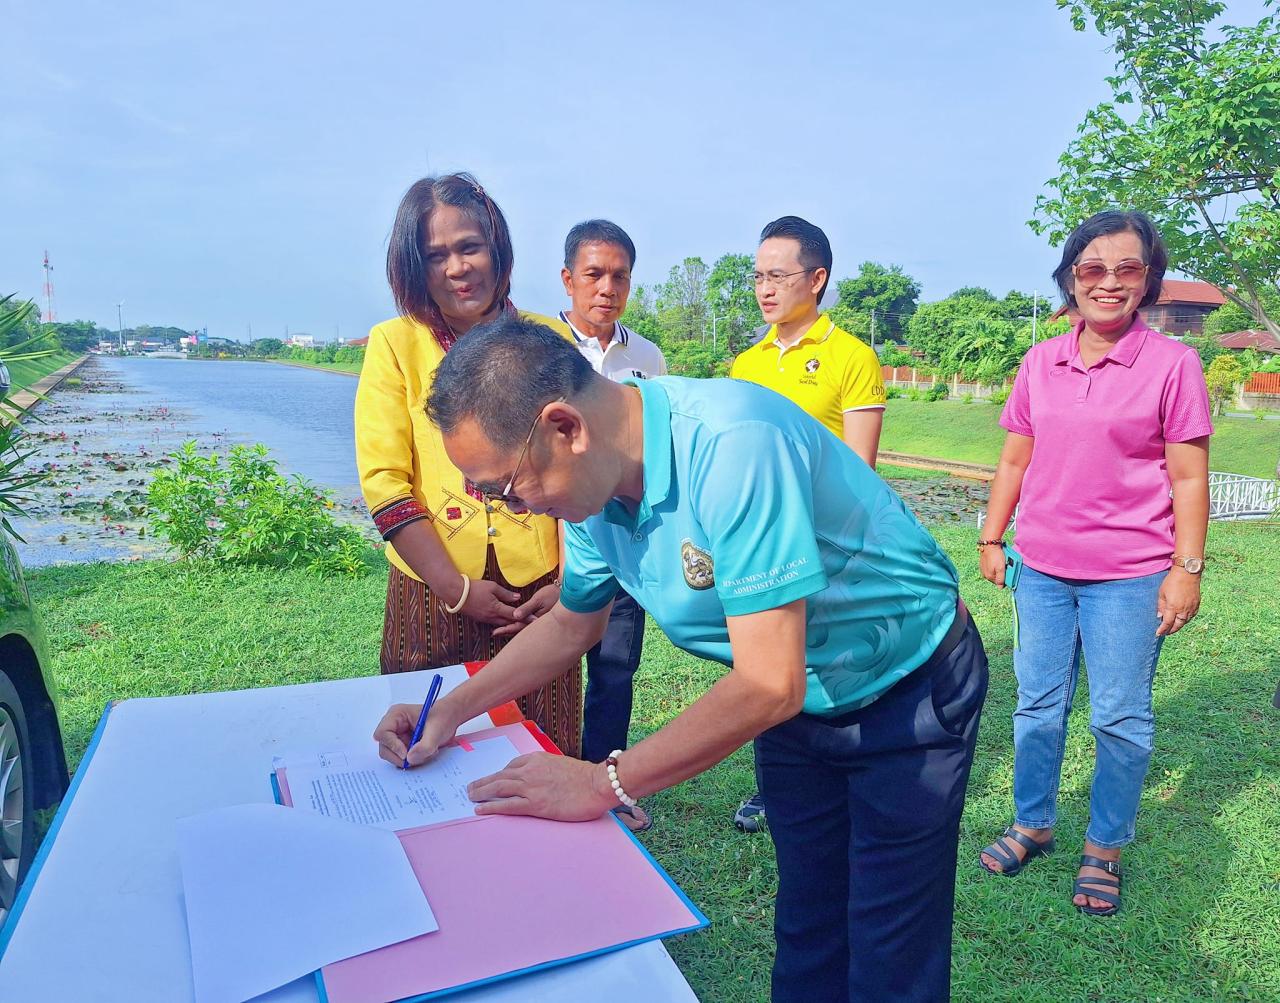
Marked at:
<point>831,374</point>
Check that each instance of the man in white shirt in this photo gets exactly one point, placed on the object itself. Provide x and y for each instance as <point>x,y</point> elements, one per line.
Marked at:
<point>598,258</point>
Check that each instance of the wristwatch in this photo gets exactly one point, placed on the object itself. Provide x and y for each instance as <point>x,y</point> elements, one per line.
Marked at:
<point>1191,565</point>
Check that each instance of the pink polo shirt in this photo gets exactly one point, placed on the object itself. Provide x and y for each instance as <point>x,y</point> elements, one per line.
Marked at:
<point>1096,498</point>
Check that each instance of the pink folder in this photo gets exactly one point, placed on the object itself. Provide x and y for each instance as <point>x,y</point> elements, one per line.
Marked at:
<point>512,895</point>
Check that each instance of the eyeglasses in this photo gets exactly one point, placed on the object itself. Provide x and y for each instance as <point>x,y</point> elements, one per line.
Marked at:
<point>1127,273</point>
<point>505,495</point>
<point>775,279</point>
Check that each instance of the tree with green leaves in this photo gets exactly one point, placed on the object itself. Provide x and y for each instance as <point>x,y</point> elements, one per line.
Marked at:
<point>974,292</point>
<point>682,302</point>
<point>1232,317</point>
<point>641,315</point>
<point>267,346</point>
<point>1019,306</point>
<point>1222,378</point>
<point>731,300</point>
<point>934,326</point>
<point>885,289</point>
<point>1188,136</point>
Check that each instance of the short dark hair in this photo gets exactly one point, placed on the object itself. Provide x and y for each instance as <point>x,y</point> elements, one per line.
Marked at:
<point>406,260</point>
<point>1101,224</point>
<point>596,231</point>
<point>500,374</point>
<point>815,249</point>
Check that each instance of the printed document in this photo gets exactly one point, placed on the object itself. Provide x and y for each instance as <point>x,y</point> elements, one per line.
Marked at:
<point>356,785</point>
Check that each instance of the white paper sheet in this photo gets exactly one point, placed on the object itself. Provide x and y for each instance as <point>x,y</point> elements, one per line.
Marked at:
<point>358,786</point>
<point>273,893</point>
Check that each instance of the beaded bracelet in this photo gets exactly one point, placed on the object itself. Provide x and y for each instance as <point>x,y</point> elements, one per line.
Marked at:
<point>611,766</point>
<point>990,543</point>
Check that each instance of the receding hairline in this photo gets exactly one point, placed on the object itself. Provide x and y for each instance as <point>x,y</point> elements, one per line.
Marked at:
<point>600,242</point>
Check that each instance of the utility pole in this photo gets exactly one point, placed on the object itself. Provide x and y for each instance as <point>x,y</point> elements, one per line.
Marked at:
<point>873,329</point>
<point>49,315</point>
<point>1035,315</point>
<point>120,325</point>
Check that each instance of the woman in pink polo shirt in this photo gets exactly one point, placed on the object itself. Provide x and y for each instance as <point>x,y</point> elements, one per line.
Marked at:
<point>1107,459</point>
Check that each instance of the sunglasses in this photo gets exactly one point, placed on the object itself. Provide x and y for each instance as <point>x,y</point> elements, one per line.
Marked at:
<point>1127,273</point>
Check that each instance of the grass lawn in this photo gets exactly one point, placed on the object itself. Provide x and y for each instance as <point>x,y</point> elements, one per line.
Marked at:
<point>30,371</point>
<point>1202,892</point>
<point>970,432</point>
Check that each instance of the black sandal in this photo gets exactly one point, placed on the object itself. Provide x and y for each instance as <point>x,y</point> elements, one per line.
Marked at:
<point>1008,860</point>
<point>1084,886</point>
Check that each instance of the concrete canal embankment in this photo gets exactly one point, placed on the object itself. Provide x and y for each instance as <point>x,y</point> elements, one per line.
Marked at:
<point>32,394</point>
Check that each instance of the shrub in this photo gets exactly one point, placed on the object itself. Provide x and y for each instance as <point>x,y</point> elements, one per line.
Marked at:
<point>893,393</point>
<point>967,399</point>
<point>915,394</point>
<point>937,392</point>
<point>243,510</point>
<point>999,396</point>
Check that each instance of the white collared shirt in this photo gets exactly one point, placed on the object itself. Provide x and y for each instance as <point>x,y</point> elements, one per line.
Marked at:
<point>627,356</point>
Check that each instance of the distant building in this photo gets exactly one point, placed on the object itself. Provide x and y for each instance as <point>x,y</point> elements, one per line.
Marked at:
<point>1183,306</point>
<point>301,341</point>
<point>1180,310</point>
<point>358,342</point>
<point>1263,341</point>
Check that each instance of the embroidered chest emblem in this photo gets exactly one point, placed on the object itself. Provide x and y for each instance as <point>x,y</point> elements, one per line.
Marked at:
<point>453,512</point>
<point>699,569</point>
<point>812,366</point>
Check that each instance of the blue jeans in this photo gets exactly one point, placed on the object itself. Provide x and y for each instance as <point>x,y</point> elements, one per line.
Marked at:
<point>1113,623</point>
<point>611,667</point>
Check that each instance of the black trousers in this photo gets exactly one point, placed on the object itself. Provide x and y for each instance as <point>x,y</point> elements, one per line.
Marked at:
<point>611,666</point>
<point>864,810</point>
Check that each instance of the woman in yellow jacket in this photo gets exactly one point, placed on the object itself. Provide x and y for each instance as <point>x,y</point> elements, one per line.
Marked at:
<point>467,572</point>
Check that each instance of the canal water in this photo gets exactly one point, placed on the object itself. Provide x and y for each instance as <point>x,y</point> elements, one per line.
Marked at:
<point>100,442</point>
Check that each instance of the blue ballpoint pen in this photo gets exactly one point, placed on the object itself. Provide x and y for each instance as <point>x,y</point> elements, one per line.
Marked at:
<point>432,693</point>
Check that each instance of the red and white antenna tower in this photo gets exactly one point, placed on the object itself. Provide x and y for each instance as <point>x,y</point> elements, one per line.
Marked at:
<point>49,315</point>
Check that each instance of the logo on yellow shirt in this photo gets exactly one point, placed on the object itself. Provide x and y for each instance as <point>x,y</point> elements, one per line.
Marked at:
<point>812,366</point>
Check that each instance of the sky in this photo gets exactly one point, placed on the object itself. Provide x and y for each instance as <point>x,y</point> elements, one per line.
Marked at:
<point>237,166</point>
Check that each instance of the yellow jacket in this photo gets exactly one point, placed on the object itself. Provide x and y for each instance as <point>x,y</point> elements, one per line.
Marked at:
<point>406,475</point>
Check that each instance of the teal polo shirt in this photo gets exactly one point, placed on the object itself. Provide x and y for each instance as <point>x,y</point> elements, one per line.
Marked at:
<point>750,504</point>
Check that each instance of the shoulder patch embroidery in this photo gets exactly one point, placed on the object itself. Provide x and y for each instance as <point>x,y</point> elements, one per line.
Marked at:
<point>699,568</point>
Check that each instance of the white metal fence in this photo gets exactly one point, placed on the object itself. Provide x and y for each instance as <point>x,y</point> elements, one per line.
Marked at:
<point>1236,496</point>
<point>1231,496</point>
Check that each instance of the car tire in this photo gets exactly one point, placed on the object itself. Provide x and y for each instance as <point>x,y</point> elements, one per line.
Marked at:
<point>17,796</point>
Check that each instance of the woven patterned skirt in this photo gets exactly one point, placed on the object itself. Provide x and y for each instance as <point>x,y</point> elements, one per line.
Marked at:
<point>417,633</point>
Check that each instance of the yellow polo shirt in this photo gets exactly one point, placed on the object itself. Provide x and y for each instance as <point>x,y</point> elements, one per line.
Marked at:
<point>827,372</point>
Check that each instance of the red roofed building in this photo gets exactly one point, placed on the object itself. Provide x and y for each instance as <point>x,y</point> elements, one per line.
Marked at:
<point>1263,341</point>
<point>358,342</point>
<point>1183,306</point>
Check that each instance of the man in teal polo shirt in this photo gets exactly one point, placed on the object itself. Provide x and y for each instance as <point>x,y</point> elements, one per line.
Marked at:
<point>753,537</point>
